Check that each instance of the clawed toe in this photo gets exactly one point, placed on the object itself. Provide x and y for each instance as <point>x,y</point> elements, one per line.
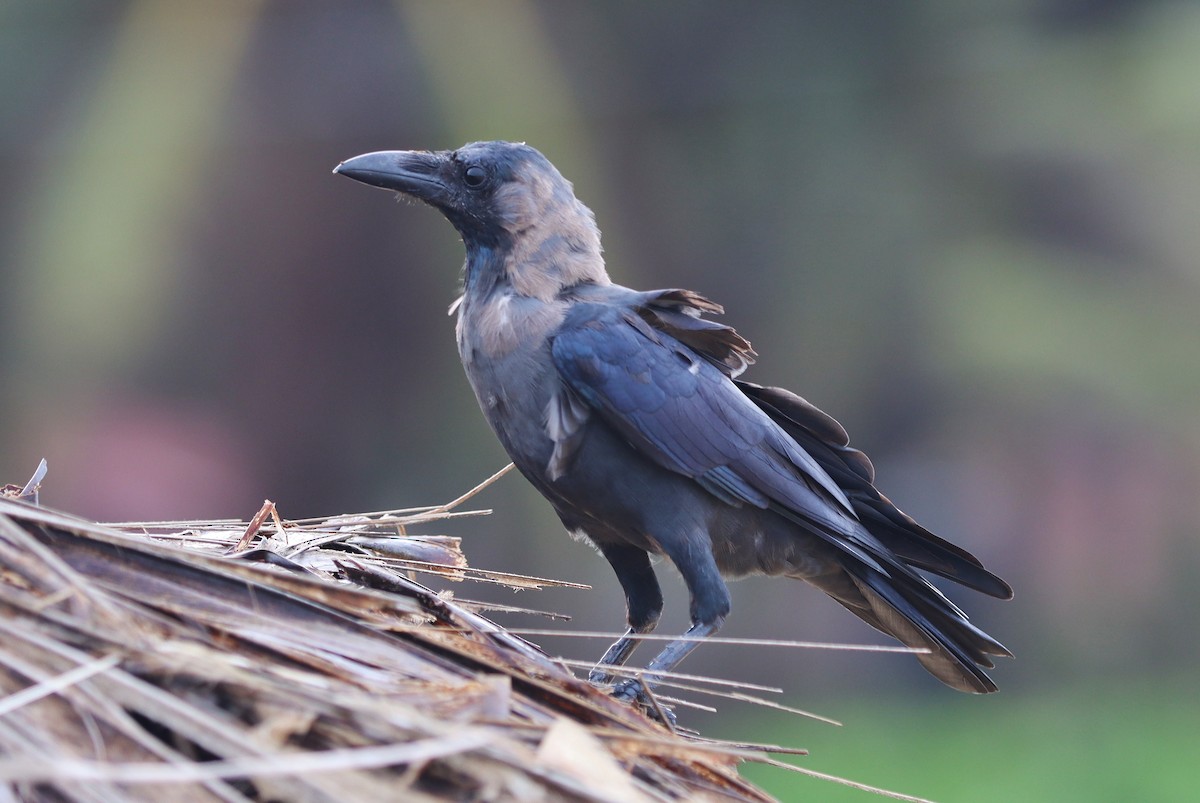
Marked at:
<point>634,691</point>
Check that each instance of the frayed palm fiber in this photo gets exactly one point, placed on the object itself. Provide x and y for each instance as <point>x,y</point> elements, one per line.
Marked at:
<point>145,662</point>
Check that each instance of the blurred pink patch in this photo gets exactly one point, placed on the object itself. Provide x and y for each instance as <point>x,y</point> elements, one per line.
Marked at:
<point>146,459</point>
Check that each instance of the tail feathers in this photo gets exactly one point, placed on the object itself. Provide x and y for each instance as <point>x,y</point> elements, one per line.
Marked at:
<point>904,608</point>
<point>918,547</point>
<point>872,576</point>
<point>826,441</point>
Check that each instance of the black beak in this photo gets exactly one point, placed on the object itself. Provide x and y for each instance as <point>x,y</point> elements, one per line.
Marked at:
<point>415,173</point>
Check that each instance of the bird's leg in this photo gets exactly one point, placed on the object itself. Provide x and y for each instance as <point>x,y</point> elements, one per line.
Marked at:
<point>615,655</point>
<point>643,602</point>
<point>709,607</point>
<point>665,661</point>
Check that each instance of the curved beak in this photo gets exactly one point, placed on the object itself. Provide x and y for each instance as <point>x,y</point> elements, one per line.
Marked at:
<point>415,173</point>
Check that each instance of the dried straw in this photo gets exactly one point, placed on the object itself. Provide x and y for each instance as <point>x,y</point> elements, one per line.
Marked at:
<point>299,661</point>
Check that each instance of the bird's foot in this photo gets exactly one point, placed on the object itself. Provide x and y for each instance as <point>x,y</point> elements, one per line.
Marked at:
<point>637,692</point>
<point>630,691</point>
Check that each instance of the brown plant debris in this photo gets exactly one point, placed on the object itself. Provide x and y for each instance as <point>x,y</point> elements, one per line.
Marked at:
<point>298,661</point>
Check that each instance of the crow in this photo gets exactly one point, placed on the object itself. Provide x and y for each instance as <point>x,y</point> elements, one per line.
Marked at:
<point>625,411</point>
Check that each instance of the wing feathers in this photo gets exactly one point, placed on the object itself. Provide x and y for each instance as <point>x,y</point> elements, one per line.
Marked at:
<point>565,416</point>
<point>686,415</point>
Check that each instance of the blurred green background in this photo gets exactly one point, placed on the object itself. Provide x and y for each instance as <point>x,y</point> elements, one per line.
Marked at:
<point>967,229</point>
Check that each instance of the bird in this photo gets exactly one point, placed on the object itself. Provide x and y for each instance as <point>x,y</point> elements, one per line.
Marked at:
<point>625,409</point>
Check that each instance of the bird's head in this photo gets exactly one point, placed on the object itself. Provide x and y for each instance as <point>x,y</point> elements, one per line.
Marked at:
<point>504,198</point>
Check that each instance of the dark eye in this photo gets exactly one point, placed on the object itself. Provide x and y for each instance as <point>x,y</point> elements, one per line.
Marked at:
<point>474,175</point>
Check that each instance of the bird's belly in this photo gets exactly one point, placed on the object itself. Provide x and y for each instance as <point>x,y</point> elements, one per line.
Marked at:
<point>749,541</point>
<point>615,495</point>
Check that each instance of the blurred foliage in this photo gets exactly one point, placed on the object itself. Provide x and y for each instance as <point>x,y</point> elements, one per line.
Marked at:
<point>967,229</point>
<point>1097,743</point>
<point>89,247</point>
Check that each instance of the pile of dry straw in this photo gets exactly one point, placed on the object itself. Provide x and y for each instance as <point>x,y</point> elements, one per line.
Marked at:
<point>298,661</point>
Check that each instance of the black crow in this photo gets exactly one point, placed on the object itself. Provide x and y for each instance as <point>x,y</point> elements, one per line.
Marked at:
<point>624,409</point>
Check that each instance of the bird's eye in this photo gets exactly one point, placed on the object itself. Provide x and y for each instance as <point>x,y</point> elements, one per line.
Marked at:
<point>474,175</point>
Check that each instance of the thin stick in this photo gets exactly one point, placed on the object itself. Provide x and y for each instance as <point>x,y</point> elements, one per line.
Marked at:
<point>176,524</point>
<point>354,522</point>
<point>676,701</point>
<point>653,698</point>
<point>672,680</point>
<point>268,507</point>
<point>749,642</point>
<point>479,606</point>
<point>836,779</point>
<point>57,683</point>
<point>298,764</point>
<point>759,701</point>
<point>479,575</point>
<point>752,747</point>
<point>473,491</point>
<point>625,670</point>
<point>432,512</point>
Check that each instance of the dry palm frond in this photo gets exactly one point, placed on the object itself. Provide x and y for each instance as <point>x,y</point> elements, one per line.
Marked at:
<point>297,661</point>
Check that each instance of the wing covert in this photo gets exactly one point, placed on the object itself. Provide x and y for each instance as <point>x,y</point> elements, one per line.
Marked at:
<point>681,411</point>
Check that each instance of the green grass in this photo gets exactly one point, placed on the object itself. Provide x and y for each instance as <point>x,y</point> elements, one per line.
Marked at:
<point>1119,742</point>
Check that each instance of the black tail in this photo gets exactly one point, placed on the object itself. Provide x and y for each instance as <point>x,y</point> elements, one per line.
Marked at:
<point>917,615</point>
<point>900,603</point>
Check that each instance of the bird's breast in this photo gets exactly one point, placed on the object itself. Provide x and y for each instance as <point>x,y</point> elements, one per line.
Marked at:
<point>506,323</point>
<point>504,343</point>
